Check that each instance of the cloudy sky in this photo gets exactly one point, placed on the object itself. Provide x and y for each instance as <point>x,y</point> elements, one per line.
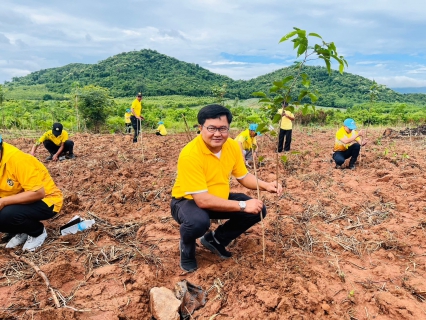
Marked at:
<point>383,40</point>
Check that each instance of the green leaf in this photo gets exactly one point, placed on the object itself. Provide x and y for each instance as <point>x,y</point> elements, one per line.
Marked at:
<point>273,133</point>
<point>302,94</point>
<point>284,159</point>
<point>341,68</point>
<point>278,84</point>
<point>327,63</point>
<point>287,79</point>
<point>274,89</point>
<point>261,158</point>
<point>288,36</point>
<point>276,118</point>
<point>313,97</point>
<point>312,34</point>
<point>259,94</point>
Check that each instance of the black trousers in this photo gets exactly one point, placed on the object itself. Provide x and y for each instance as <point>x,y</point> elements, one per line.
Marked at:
<point>128,127</point>
<point>53,148</point>
<point>25,218</point>
<point>287,135</point>
<point>194,221</point>
<point>136,124</point>
<point>352,152</point>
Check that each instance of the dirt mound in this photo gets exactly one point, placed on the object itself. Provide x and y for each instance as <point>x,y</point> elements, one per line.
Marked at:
<point>340,244</point>
<point>407,132</point>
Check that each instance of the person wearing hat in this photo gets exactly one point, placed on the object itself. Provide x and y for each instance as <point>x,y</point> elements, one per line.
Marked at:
<point>286,128</point>
<point>202,191</point>
<point>161,130</point>
<point>247,142</point>
<point>127,120</point>
<point>347,144</point>
<point>28,195</point>
<point>57,143</point>
<point>136,117</point>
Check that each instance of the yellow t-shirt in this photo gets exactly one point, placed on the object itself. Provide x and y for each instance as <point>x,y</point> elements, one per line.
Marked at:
<point>286,123</point>
<point>245,139</point>
<point>127,116</point>
<point>48,135</point>
<point>21,172</point>
<point>199,170</point>
<point>162,129</point>
<point>341,133</point>
<point>137,107</point>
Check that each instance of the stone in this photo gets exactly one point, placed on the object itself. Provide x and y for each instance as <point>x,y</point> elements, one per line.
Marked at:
<point>163,304</point>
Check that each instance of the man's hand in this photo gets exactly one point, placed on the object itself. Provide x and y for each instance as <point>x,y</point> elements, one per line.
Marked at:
<point>360,133</point>
<point>55,157</point>
<point>272,187</point>
<point>32,153</point>
<point>253,206</point>
<point>1,204</point>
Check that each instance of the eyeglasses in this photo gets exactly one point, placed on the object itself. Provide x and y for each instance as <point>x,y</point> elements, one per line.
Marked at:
<point>214,129</point>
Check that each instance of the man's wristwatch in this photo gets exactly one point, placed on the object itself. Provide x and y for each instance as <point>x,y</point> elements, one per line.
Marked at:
<point>242,205</point>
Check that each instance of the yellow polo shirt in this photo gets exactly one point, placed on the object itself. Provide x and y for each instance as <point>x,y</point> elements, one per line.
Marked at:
<point>137,107</point>
<point>127,116</point>
<point>199,170</point>
<point>245,139</point>
<point>21,172</point>
<point>162,129</point>
<point>48,135</point>
<point>340,134</point>
<point>286,123</point>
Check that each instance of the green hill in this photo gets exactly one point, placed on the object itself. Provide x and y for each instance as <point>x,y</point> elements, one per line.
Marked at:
<point>156,74</point>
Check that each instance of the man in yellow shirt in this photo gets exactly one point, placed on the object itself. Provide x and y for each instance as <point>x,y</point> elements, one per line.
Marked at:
<point>127,120</point>
<point>136,117</point>
<point>202,192</point>
<point>247,142</point>
<point>347,144</point>
<point>161,130</point>
<point>27,196</point>
<point>286,128</point>
<point>57,143</point>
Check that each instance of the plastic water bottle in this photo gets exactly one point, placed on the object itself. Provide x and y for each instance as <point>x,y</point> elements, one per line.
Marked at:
<point>81,226</point>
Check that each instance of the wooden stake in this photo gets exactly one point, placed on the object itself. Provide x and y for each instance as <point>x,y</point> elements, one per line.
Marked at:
<point>258,197</point>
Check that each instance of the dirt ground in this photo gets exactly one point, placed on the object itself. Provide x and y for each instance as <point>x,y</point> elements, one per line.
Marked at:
<point>340,244</point>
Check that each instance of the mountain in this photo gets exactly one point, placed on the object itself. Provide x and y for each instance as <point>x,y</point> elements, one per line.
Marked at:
<point>156,74</point>
<point>410,90</point>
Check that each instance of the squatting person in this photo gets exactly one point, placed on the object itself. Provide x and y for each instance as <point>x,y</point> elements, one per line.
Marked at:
<point>127,120</point>
<point>161,130</point>
<point>202,191</point>
<point>247,142</point>
<point>347,144</point>
<point>56,141</point>
<point>27,196</point>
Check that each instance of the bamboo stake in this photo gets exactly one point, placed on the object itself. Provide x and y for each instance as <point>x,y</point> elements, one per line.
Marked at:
<point>41,274</point>
<point>258,197</point>
<point>141,137</point>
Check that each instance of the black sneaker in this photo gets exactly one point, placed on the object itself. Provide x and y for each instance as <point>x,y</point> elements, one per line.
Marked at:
<point>49,158</point>
<point>71,156</point>
<point>352,166</point>
<point>338,167</point>
<point>135,140</point>
<point>208,241</point>
<point>188,262</point>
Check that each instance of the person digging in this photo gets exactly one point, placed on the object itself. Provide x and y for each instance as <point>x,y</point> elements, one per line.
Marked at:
<point>247,142</point>
<point>202,192</point>
<point>56,141</point>
<point>348,144</point>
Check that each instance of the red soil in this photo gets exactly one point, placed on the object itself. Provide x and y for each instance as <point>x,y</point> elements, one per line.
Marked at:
<point>340,244</point>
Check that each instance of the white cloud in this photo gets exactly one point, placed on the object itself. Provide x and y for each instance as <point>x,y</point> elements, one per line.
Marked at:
<point>401,82</point>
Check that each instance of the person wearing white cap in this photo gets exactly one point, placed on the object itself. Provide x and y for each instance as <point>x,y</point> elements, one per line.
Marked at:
<point>347,144</point>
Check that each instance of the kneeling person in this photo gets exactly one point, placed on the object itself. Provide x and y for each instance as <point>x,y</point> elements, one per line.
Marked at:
<point>57,143</point>
<point>27,196</point>
<point>161,130</point>
<point>202,191</point>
